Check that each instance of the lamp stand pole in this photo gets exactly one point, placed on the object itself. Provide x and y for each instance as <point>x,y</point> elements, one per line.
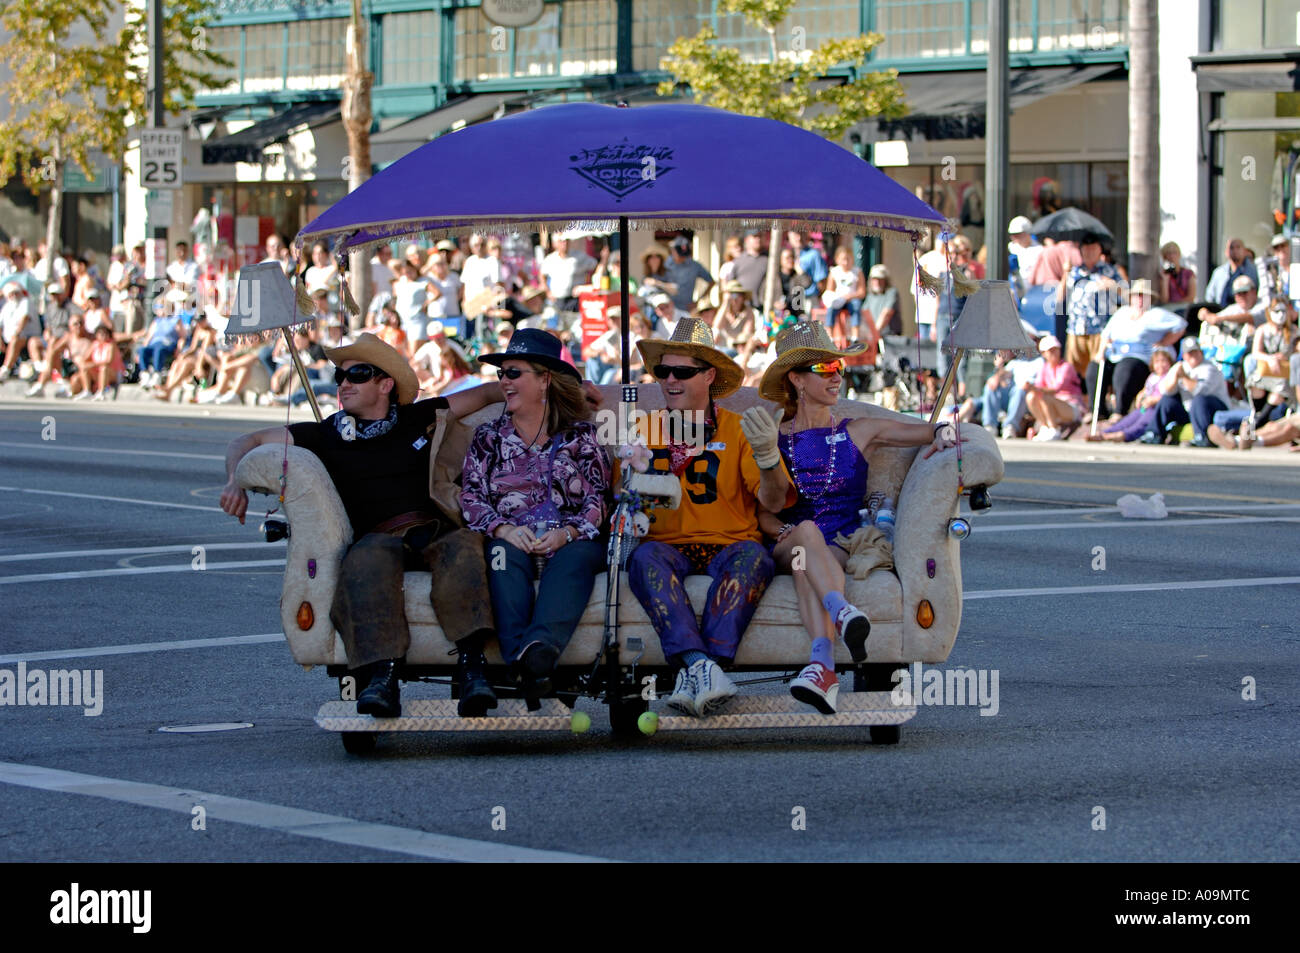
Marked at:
<point>947,384</point>
<point>302,373</point>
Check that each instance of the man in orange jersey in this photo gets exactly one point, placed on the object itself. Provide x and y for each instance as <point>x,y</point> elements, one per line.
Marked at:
<point>714,532</point>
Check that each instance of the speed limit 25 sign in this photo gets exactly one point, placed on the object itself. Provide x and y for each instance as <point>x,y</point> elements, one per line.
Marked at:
<point>160,158</point>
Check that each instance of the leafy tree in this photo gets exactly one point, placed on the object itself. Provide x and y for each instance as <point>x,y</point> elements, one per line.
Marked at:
<point>68,98</point>
<point>786,87</point>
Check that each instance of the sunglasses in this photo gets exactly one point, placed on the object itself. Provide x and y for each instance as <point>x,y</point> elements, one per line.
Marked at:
<point>514,373</point>
<point>357,374</point>
<point>825,369</point>
<point>681,372</point>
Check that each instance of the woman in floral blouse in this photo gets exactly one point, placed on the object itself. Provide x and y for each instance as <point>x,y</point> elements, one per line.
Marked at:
<point>536,483</point>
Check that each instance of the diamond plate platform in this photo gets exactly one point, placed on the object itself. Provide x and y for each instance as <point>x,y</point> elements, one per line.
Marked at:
<point>782,711</point>
<point>746,711</point>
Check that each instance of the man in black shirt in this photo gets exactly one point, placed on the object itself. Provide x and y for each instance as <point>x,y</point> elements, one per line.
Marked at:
<point>376,450</point>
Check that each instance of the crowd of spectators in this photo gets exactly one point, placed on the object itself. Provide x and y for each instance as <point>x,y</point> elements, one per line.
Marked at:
<point>86,330</point>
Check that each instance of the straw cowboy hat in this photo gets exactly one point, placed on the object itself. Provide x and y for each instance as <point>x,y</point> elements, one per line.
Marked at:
<point>734,287</point>
<point>805,343</point>
<point>1141,286</point>
<point>369,349</point>
<point>656,249</point>
<point>692,338</point>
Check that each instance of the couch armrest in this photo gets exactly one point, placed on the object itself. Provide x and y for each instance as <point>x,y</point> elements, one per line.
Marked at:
<point>319,530</point>
<point>927,501</point>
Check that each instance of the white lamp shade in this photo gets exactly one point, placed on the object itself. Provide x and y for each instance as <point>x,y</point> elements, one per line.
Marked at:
<point>264,301</point>
<point>990,321</point>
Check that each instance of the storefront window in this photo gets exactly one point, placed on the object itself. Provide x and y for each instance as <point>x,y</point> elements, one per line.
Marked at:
<point>248,213</point>
<point>1251,195</point>
<point>587,43</point>
<point>410,47</point>
<point>1257,24</point>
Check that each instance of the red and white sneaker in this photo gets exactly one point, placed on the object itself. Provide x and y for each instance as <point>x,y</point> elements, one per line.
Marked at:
<point>816,685</point>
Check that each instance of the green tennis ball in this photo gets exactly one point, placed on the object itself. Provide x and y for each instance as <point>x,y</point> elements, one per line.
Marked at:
<point>648,722</point>
<point>579,722</point>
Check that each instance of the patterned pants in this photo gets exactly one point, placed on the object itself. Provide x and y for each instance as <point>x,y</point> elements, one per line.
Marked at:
<point>741,572</point>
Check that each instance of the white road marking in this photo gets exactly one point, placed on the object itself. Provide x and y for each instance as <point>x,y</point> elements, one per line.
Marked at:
<point>1130,523</point>
<point>1088,510</point>
<point>285,820</point>
<point>1134,587</point>
<point>135,571</point>
<point>140,647</point>
<point>130,453</point>
<point>130,551</point>
<point>113,499</point>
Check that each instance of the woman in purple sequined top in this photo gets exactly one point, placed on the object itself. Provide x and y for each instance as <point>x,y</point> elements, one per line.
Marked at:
<point>535,483</point>
<point>827,459</point>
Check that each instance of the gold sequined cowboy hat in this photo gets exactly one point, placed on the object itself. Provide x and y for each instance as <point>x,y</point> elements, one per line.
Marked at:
<point>806,343</point>
<point>693,338</point>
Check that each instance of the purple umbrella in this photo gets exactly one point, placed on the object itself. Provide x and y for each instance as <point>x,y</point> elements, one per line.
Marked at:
<point>589,165</point>
<point>605,168</point>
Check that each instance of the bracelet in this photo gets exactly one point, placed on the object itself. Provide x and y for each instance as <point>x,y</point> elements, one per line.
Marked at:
<point>938,427</point>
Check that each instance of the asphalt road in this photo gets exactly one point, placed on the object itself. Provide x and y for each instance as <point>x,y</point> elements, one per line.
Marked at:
<point>1120,688</point>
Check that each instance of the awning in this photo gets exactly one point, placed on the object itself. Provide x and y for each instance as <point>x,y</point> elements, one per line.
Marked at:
<point>391,144</point>
<point>940,102</point>
<point>1257,73</point>
<point>247,144</point>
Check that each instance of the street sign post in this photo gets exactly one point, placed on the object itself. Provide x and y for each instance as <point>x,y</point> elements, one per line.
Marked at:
<point>160,158</point>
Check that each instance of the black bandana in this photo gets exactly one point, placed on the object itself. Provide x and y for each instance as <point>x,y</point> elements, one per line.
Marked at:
<point>350,428</point>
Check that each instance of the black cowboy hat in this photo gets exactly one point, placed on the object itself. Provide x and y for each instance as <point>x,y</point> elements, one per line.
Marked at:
<point>531,344</point>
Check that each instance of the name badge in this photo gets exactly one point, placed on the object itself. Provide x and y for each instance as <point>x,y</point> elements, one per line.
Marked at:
<point>716,445</point>
<point>836,437</point>
<point>419,444</point>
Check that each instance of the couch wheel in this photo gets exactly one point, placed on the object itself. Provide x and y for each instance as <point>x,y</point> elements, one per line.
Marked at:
<point>623,714</point>
<point>363,742</point>
<point>884,734</point>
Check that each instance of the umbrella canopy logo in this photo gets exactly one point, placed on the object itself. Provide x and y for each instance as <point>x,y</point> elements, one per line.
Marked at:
<point>623,168</point>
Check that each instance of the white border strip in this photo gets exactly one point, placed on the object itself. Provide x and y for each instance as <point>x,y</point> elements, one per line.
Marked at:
<point>131,551</point>
<point>112,499</point>
<point>1089,510</point>
<point>136,571</point>
<point>976,529</point>
<point>130,453</point>
<point>1134,587</point>
<point>140,647</point>
<point>285,820</point>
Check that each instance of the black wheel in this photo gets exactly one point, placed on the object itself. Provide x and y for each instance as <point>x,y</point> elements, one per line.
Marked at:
<point>363,742</point>
<point>884,734</point>
<point>623,713</point>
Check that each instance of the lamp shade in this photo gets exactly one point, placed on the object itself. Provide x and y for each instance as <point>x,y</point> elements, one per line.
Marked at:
<point>990,321</point>
<point>264,301</point>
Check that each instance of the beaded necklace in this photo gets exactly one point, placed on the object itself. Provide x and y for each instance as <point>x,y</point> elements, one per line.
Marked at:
<point>829,479</point>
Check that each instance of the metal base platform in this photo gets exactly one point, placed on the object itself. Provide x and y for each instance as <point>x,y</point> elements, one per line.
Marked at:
<point>511,714</point>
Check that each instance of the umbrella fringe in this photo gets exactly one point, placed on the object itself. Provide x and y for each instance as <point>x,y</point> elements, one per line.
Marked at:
<point>892,228</point>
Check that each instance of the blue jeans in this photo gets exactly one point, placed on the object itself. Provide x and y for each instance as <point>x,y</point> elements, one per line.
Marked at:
<point>599,372</point>
<point>853,307</point>
<point>1016,410</point>
<point>319,388</point>
<point>153,357</point>
<point>264,355</point>
<point>1230,421</point>
<point>1170,414</point>
<point>741,572</point>
<point>553,613</point>
<point>995,400</point>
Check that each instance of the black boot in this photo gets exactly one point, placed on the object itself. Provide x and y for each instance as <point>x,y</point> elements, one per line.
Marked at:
<point>382,696</point>
<point>476,695</point>
<point>535,667</point>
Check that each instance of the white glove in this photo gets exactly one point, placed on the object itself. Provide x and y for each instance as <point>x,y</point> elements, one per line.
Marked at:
<point>761,432</point>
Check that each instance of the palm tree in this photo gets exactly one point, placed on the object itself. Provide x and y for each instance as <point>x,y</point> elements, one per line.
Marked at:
<point>1143,140</point>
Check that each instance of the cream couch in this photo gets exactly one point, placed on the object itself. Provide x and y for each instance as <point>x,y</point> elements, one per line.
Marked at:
<point>925,490</point>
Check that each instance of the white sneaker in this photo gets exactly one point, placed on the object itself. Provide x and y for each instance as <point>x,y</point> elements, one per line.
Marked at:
<point>62,390</point>
<point>229,397</point>
<point>4,373</point>
<point>715,688</point>
<point>684,689</point>
<point>98,396</point>
<point>82,395</point>
<point>208,396</point>
<point>36,390</point>
<point>1048,433</point>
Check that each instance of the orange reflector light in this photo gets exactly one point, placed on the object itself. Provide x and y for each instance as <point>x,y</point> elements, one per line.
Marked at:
<point>306,617</point>
<point>924,614</point>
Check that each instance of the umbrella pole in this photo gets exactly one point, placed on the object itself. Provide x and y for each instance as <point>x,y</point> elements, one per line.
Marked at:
<point>302,373</point>
<point>947,384</point>
<point>622,513</point>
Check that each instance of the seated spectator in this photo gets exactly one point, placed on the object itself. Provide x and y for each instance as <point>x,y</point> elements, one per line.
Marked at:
<point>1192,391</point>
<point>1272,434</point>
<point>65,355</point>
<point>1141,420</point>
<point>17,324</point>
<point>1127,341</point>
<point>192,360</point>
<point>391,333</point>
<point>796,286</point>
<point>336,335</point>
<point>1268,367</point>
<point>101,368</point>
<point>161,339</point>
<point>605,366</point>
<point>96,311</point>
<point>735,324</point>
<point>323,273</point>
<point>1055,398</point>
<point>1234,323</point>
<point>232,376</point>
<point>882,301</point>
